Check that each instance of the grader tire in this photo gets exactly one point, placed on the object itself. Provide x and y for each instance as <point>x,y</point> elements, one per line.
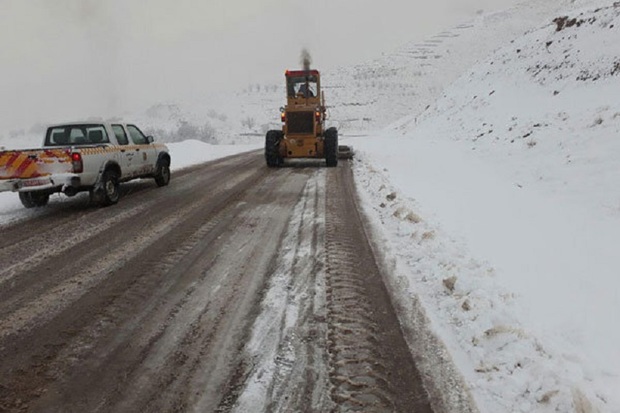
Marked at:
<point>331,147</point>
<point>272,148</point>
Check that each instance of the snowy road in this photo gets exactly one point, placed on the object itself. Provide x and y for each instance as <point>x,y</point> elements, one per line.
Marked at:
<point>236,288</point>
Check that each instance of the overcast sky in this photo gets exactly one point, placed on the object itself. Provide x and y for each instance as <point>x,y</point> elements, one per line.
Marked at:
<point>69,59</point>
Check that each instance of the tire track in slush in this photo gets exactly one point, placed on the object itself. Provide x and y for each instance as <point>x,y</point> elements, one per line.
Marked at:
<point>371,368</point>
<point>20,251</point>
<point>163,326</point>
<point>116,303</point>
<point>176,349</point>
<point>285,357</point>
<point>298,383</point>
<point>43,305</point>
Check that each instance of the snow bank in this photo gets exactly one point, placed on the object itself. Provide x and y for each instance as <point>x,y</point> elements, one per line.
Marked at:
<point>507,215</point>
<point>192,152</point>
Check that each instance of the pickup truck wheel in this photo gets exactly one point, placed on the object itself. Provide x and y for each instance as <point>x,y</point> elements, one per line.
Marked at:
<point>162,176</point>
<point>34,199</point>
<point>110,185</point>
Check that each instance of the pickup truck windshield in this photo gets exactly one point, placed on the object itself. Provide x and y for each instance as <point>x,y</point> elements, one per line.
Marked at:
<point>86,134</point>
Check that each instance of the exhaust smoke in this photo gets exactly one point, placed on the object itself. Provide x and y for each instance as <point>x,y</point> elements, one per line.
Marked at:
<point>305,59</point>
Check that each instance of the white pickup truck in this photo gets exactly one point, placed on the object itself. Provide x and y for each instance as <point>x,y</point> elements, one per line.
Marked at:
<point>87,156</point>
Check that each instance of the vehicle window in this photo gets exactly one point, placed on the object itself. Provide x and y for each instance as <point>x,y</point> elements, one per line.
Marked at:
<point>96,134</point>
<point>76,135</point>
<point>56,137</point>
<point>136,135</point>
<point>302,85</point>
<point>120,134</point>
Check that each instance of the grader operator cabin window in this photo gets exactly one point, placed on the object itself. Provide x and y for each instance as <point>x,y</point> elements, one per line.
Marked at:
<point>302,86</point>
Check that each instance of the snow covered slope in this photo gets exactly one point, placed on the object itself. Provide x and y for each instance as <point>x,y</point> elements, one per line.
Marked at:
<point>501,205</point>
<point>405,81</point>
<point>363,97</point>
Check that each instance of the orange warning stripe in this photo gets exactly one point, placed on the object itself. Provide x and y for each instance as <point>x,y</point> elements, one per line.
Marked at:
<point>19,164</point>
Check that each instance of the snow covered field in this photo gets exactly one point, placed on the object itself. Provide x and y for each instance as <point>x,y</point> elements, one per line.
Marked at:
<point>497,205</point>
<point>506,220</point>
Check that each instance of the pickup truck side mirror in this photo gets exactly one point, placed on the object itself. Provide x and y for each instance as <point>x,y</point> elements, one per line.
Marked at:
<point>150,139</point>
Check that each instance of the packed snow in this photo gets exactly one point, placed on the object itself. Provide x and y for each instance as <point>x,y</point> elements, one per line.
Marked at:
<point>493,191</point>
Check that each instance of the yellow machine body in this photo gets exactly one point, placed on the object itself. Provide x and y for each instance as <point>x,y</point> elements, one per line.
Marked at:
<point>303,133</point>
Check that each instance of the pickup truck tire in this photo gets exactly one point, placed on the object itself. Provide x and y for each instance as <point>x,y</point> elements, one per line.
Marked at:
<point>162,176</point>
<point>110,185</point>
<point>34,199</point>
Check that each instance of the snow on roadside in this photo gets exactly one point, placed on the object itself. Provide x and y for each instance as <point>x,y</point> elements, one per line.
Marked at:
<point>500,204</point>
<point>479,320</point>
<point>193,152</point>
<point>183,155</point>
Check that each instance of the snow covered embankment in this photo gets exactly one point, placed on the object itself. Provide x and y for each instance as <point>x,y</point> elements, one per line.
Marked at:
<point>516,165</point>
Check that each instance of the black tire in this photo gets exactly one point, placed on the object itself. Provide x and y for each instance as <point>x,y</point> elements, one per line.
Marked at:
<point>162,174</point>
<point>109,188</point>
<point>33,199</point>
<point>272,148</point>
<point>331,147</point>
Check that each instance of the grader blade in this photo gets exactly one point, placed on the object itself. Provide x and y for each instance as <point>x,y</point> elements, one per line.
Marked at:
<point>345,152</point>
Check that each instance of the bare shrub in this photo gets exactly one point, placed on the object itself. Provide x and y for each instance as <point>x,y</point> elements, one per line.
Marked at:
<point>248,122</point>
<point>450,283</point>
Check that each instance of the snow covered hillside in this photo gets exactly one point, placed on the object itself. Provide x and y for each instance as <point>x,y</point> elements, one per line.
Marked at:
<point>363,97</point>
<point>501,205</point>
<point>407,80</point>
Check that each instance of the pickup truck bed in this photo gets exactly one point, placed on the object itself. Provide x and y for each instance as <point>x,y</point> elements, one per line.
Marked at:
<point>76,157</point>
<point>33,163</point>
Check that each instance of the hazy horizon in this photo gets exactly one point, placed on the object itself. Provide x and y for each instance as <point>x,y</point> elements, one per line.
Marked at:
<point>78,58</point>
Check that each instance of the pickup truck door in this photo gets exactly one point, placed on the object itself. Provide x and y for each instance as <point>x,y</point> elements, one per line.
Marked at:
<point>147,154</point>
<point>128,154</point>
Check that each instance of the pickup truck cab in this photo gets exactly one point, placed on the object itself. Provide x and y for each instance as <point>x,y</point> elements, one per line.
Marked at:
<point>85,156</point>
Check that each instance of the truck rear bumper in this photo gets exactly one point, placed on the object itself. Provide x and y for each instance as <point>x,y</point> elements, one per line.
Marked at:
<point>51,183</point>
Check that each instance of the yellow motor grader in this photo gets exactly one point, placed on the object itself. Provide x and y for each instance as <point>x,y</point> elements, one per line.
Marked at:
<point>303,134</point>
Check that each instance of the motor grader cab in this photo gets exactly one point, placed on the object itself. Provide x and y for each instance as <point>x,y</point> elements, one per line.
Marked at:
<point>303,134</point>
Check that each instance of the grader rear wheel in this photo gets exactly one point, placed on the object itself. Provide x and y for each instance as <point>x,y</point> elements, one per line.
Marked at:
<point>272,148</point>
<point>331,147</point>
